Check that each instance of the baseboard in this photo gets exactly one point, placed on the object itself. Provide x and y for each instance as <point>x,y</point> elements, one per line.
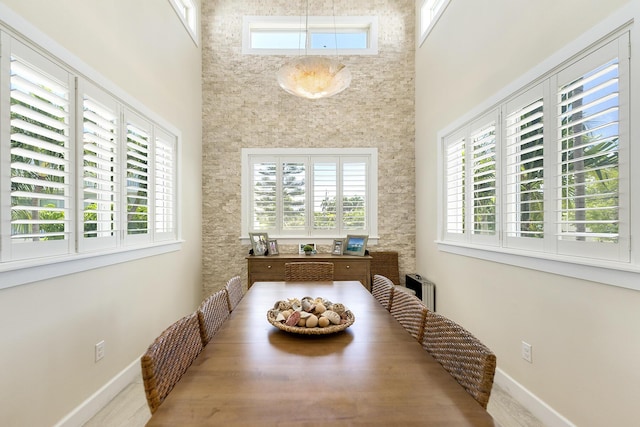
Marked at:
<point>98,400</point>
<point>543,412</point>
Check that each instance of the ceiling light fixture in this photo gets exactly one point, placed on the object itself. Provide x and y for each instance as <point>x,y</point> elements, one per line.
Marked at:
<point>314,77</point>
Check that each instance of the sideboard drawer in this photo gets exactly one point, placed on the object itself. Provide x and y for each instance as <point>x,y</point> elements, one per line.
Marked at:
<point>271,268</point>
<point>275,268</point>
<point>348,270</point>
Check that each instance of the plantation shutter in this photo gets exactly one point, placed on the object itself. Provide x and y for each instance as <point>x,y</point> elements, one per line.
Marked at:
<point>100,180</point>
<point>325,195</point>
<point>354,194</point>
<point>165,185</point>
<point>590,147</point>
<point>264,179</point>
<point>138,159</point>
<point>524,171</point>
<point>454,167</point>
<point>40,195</point>
<point>294,196</point>
<point>483,176</point>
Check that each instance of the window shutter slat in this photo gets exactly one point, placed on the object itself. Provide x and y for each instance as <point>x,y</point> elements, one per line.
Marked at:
<point>100,181</point>
<point>137,187</point>
<point>483,146</point>
<point>165,191</point>
<point>294,196</point>
<point>525,170</point>
<point>325,190</point>
<point>40,154</point>
<point>588,144</point>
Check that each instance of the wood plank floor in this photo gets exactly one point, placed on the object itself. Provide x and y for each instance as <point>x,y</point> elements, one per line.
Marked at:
<point>129,409</point>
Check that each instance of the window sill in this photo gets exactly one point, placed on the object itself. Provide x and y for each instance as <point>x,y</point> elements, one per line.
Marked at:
<point>20,273</point>
<point>610,273</point>
<point>372,241</point>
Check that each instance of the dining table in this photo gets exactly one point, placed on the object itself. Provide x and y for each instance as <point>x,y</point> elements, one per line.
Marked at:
<point>373,373</point>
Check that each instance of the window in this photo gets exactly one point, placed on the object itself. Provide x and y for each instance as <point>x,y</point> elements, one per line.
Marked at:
<point>85,173</point>
<point>430,12</point>
<point>188,14</point>
<point>546,170</point>
<point>278,35</point>
<point>310,193</point>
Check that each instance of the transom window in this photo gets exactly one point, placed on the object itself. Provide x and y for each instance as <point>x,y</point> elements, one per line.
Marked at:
<point>188,14</point>
<point>430,12</point>
<point>278,35</point>
<point>311,193</point>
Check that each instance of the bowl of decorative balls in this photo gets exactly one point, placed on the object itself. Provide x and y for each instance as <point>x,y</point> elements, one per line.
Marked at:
<point>310,316</point>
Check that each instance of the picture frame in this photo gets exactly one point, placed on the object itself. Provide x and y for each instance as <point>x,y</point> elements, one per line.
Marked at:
<point>273,247</point>
<point>302,245</point>
<point>355,245</point>
<point>337,247</point>
<point>259,243</point>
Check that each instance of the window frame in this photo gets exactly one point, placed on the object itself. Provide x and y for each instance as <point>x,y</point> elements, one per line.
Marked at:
<point>317,24</point>
<point>187,11</point>
<point>428,17</point>
<point>616,273</point>
<point>309,155</point>
<point>80,257</point>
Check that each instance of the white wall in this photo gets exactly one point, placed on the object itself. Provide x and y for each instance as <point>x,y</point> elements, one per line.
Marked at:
<point>48,329</point>
<point>585,335</point>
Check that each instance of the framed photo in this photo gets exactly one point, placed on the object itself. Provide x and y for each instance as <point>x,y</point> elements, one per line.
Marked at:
<point>259,243</point>
<point>302,245</point>
<point>337,247</point>
<point>355,245</point>
<point>273,247</point>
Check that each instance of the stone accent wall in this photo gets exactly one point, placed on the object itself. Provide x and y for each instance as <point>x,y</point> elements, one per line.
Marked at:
<point>243,107</point>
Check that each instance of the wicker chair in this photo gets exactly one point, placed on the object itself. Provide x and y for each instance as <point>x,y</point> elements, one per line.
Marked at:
<point>469,361</point>
<point>234,292</point>
<point>383,290</point>
<point>168,357</point>
<point>308,271</point>
<point>212,313</point>
<point>385,263</point>
<point>410,312</point>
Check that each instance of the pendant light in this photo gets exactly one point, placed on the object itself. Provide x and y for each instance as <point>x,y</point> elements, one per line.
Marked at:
<point>314,77</point>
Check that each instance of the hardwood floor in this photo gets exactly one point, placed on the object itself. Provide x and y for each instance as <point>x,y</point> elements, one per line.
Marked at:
<point>129,409</point>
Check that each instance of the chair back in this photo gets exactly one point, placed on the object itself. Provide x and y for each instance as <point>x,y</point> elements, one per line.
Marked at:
<point>234,292</point>
<point>168,357</point>
<point>385,263</point>
<point>212,313</point>
<point>382,289</point>
<point>410,312</point>
<point>308,271</point>
<point>467,359</point>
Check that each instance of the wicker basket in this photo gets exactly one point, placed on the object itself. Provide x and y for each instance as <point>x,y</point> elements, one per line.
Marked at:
<point>302,330</point>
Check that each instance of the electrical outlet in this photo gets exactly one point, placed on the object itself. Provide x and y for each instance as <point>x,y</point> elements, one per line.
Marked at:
<point>99,350</point>
<point>526,352</point>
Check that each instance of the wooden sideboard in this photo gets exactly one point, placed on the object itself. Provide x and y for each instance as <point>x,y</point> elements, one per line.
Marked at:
<point>345,267</point>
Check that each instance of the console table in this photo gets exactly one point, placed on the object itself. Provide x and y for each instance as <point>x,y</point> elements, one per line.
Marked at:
<point>345,267</point>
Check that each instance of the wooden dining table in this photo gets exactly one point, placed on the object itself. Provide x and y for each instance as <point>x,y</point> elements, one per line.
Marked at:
<point>374,373</point>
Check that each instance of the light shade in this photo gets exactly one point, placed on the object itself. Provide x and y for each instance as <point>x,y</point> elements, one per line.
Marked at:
<point>314,77</point>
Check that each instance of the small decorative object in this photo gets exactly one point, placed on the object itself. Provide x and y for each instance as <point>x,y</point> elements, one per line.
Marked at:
<point>273,247</point>
<point>310,316</point>
<point>337,247</point>
<point>355,245</point>
<point>303,248</point>
<point>259,243</point>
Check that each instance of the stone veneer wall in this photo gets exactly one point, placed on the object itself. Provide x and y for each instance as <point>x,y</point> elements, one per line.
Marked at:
<point>243,107</point>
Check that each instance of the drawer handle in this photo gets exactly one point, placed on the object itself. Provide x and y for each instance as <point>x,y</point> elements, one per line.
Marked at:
<point>268,266</point>
<point>348,267</point>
